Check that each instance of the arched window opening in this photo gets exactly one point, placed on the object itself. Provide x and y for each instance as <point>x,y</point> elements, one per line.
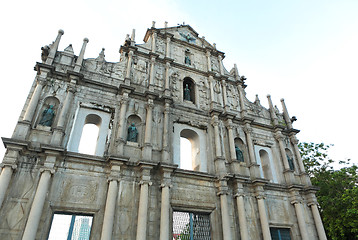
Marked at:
<point>189,150</point>
<point>90,134</point>
<point>185,154</point>
<point>188,90</point>
<point>265,164</point>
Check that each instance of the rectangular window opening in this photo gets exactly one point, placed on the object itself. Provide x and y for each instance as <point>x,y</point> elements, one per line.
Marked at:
<point>191,226</point>
<point>280,233</point>
<point>66,226</point>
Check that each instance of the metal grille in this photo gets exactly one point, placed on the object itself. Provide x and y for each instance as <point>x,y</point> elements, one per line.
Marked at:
<point>191,226</point>
<point>280,234</point>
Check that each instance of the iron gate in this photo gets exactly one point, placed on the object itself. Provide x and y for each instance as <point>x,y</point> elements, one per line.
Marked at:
<point>191,226</point>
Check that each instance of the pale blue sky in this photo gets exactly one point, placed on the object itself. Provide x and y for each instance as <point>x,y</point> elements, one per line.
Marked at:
<point>303,51</point>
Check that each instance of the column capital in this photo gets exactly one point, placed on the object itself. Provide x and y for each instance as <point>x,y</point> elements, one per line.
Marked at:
<point>239,194</point>
<point>12,166</point>
<point>110,179</point>
<point>293,139</point>
<point>142,182</point>
<point>260,196</point>
<point>314,202</point>
<point>247,129</point>
<point>52,171</point>
<point>150,104</point>
<point>166,184</point>
<point>278,136</point>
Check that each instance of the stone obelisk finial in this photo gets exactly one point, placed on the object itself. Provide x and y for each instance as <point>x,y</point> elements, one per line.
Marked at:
<point>54,47</point>
<point>80,57</point>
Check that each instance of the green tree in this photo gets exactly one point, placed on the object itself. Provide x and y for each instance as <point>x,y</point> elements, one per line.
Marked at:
<point>338,194</point>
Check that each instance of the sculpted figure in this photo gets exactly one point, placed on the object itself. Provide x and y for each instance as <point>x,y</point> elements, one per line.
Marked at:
<point>187,60</point>
<point>187,93</point>
<point>290,163</point>
<point>44,53</point>
<point>132,133</point>
<point>47,116</point>
<point>239,155</point>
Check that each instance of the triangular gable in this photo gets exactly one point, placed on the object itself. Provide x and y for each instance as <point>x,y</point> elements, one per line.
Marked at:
<point>182,32</point>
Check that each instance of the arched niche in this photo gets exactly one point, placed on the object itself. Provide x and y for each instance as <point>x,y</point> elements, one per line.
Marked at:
<point>242,146</point>
<point>85,116</point>
<point>47,102</point>
<point>264,158</point>
<point>189,86</point>
<point>197,139</point>
<point>290,159</point>
<point>136,120</point>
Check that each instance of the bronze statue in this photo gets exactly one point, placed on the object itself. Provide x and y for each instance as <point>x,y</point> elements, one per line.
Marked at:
<point>187,93</point>
<point>239,155</point>
<point>290,163</point>
<point>132,133</point>
<point>47,117</point>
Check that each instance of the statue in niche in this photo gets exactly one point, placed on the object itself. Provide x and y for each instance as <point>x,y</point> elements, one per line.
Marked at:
<point>187,93</point>
<point>239,155</point>
<point>47,117</point>
<point>132,133</point>
<point>290,163</point>
<point>187,60</point>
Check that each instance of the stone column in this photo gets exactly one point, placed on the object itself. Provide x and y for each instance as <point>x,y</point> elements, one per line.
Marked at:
<point>151,73</point>
<point>221,67</point>
<point>5,177</point>
<point>279,137</point>
<point>165,205</point>
<point>215,123</point>
<point>241,212</point>
<point>167,47</point>
<point>121,130</point>
<point>317,220</point>
<point>129,64</point>
<point>79,61</point>
<point>242,102</point>
<point>224,209</point>
<point>167,84</point>
<point>254,167</point>
<point>224,92</point>
<point>147,150</point>
<point>59,130</point>
<point>211,84</point>
<point>54,47</point>
<point>109,211</point>
<point>30,111</point>
<point>143,204</point>
<point>301,219</point>
<point>287,172</point>
<point>165,152</point>
<point>37,204</point>
<point>208,60</point>
<point>263,216</point>
<point>294,142</point>
<point>229,127</point>
<point>107,226</point>
<point>154,38</point>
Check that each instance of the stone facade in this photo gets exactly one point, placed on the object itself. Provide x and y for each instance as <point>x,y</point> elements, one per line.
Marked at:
<point>173,85</point>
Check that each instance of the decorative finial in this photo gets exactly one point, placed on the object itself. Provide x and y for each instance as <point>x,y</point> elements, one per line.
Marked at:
<point>60,31</point>
<point>133,35</point>
<point>86,40</point>
<point>153,24</point>
<point>257,100</point>
<point>165,24</point>
<point>214,44</point>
